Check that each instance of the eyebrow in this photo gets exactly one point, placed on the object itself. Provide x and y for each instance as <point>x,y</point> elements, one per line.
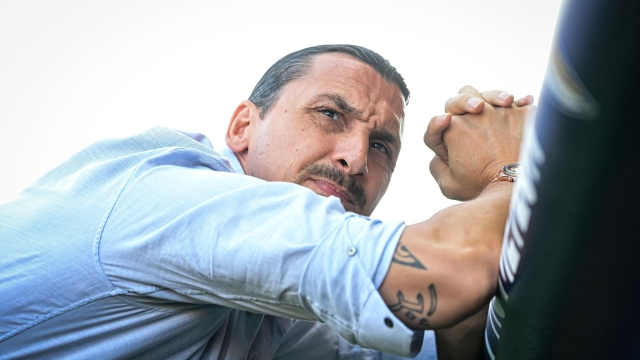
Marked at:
<point>340,102</point>
<point>388,137</point>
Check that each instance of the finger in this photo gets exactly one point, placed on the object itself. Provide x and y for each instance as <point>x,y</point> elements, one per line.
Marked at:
<point>468,89</point>
<point>524,101</point>
<point>433,136</point>
<point>448,186</point>
<point>498,98</point>
<point>464,103</point>
<point>438,168</point>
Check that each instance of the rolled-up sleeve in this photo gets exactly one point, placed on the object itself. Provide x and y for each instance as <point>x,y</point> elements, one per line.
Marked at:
<point>179,231</point>
<point>344,294</point>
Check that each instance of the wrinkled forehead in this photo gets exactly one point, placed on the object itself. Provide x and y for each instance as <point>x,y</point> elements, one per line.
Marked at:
<point>369,93</point>
<point>336,65</point>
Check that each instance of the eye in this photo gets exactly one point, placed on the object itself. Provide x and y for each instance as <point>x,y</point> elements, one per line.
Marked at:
<point>380,147</point>
<point>333,115</point>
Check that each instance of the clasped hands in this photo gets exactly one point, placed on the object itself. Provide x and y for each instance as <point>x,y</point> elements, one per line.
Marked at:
<point>475,138</point>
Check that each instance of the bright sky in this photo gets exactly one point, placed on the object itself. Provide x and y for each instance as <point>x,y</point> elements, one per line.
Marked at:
<point>73,72</point>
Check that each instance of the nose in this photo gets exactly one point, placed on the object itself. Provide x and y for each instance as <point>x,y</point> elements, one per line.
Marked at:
<point>351,155</point>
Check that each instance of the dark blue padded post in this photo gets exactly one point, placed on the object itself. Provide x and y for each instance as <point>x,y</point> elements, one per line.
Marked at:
<point>570,267</point>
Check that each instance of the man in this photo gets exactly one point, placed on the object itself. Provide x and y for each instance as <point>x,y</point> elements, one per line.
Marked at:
<point>153,247</point>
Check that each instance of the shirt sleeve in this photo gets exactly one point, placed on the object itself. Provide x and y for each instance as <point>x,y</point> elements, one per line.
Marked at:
<point>316,341</point>
<point>180,232</point>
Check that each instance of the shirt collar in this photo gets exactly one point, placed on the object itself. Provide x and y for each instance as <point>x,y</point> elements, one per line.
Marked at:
<point>233,159</point>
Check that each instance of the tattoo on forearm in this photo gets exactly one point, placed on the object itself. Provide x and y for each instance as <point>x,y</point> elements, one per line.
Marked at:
<point>414,309</point>
<point>434,300</point>
<point>403,256</point>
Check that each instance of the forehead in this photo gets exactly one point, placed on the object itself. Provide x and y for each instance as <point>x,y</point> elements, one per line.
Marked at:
<point>376,99</point>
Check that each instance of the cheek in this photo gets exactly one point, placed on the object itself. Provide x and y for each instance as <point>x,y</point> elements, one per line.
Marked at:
<point>379,183</point>
<point>283,149</point>
<point>289,159</point>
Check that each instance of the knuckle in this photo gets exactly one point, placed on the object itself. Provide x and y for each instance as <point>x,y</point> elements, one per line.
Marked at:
<point>457,103</point>
<point>450,102</point>
<point>427,137</point>
<point>465,88</point>
<point>433,163</point>
<point>462,99</point>
<point>448,192</point>
<point>433,167</point>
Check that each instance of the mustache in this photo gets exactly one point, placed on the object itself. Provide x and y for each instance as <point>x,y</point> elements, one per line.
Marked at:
<point>355,190</point>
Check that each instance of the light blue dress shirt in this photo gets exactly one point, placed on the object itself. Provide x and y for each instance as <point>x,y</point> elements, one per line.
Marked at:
<point>152,247</point>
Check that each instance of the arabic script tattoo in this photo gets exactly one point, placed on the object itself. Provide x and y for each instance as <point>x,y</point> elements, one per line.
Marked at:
<point>434,300</point>
<point>412,309</point>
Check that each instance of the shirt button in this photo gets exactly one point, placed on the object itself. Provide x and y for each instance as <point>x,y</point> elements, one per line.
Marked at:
<point>388,322</point>
<point>351,250</point>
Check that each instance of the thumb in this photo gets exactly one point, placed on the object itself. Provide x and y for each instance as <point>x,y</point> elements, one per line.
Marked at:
<point>433,136</point>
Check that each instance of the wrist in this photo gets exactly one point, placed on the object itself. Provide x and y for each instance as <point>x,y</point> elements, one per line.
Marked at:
<point>497,188</point>
<point>505,173</point>
<point>508,173</point>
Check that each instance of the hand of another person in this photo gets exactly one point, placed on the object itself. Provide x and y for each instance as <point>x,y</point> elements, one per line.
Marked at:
<point>473,147</point>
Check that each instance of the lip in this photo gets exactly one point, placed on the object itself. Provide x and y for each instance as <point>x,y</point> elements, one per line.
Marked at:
<point>328,187</point>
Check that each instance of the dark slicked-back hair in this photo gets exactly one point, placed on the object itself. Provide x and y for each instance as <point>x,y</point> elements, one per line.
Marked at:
<point>297,64</point>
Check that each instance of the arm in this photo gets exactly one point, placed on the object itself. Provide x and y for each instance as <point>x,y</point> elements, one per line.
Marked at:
<point>464,340</point>
<point>445,268</point>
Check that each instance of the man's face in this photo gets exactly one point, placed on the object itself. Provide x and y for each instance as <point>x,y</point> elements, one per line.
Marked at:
<point>336,130</point>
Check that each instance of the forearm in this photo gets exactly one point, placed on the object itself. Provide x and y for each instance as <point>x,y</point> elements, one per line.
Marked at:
<point>463,341</point>
<point>445,268</point>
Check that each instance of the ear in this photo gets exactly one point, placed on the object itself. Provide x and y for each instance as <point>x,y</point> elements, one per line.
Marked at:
<point>239,131</point>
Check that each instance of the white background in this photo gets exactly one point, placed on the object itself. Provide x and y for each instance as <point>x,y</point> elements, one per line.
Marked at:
<point>73,72</point>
